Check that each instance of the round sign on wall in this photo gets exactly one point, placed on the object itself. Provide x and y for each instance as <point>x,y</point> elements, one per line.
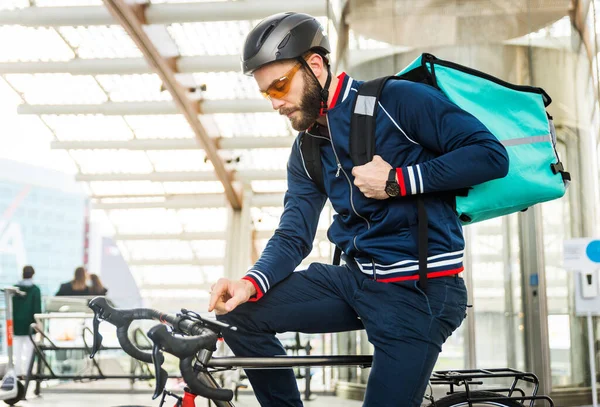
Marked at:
<point>593,251</point>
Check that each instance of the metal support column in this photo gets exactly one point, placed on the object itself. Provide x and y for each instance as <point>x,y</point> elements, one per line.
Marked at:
<point>470,348</point>
<point>245,239</point>
<point>365,349</point>
<point>239,239</point>
<point>509,306</point>
<point>535,304</point>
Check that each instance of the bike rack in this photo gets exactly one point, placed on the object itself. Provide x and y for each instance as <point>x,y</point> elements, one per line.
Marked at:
<point>466,378</point>
<point>46,344</point>
<point>295,350</point>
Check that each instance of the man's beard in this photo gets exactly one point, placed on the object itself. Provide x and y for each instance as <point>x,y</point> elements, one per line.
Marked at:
<point>310,105</point>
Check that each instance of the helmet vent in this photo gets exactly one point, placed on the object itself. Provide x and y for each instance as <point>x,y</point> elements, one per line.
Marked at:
<point>265,35</point>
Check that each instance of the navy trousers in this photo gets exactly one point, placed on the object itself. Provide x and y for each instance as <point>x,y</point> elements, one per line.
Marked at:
<point>406,326</point>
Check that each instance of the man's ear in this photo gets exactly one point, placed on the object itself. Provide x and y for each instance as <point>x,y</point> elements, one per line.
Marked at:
<point>317,64</point>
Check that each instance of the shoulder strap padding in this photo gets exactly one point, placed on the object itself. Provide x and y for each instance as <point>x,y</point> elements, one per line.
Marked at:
<point>362,123</point>
<point>310,148</point>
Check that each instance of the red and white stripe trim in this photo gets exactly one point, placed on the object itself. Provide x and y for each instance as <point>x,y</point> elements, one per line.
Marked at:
<point>410,180</point>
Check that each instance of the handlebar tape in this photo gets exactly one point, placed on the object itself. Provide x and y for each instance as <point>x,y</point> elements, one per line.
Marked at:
<point>199,388</point>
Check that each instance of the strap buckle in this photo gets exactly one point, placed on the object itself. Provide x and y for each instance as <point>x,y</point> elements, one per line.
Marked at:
<point>323,109</point>
<point>557,167</point>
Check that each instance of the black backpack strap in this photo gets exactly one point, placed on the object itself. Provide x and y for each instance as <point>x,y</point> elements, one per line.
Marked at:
<point>363,121</point>
<point>311,153</point>
<point>337,256</point>
<point>422,239</point>
<point>362,149</point>
<point>310,148</point>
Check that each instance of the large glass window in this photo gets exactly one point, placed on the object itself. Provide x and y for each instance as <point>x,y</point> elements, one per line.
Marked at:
<point>493,251</point>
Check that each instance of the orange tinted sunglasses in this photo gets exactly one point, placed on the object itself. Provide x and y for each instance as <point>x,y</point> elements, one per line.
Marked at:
<point>280,87</point>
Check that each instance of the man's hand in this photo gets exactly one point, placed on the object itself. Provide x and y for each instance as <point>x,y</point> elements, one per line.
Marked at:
<point>372,177</point>
<point>226,294</point>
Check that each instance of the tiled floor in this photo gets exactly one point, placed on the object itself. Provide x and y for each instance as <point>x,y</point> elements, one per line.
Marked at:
<point>111,393</point>
<point>117,394</point>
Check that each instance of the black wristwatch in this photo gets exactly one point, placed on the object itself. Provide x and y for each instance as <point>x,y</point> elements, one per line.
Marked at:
<point>391,186</point>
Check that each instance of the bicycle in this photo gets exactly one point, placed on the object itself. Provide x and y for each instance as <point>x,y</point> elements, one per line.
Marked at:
<point>196,341</point>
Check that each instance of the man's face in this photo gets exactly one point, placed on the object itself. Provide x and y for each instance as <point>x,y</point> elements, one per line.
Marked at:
<point>302,102</point>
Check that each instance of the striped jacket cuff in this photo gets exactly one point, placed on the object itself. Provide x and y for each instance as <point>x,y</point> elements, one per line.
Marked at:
<point>410,180</point>
<point>259,281</point>
<point>258,294</point>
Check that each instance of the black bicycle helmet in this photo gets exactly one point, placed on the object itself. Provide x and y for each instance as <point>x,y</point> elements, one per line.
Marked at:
<point>283,36</point>
<point>286,36</point>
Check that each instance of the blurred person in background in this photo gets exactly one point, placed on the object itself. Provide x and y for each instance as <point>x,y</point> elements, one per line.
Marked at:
<point>77,286</point>
<point>24,308</point>
<point>97,287</point>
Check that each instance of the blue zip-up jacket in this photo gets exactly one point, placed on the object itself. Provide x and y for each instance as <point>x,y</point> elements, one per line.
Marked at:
<point>436,148</point>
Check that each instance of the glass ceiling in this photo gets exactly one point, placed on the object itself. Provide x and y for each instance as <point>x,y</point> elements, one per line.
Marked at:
<point>198,39</point>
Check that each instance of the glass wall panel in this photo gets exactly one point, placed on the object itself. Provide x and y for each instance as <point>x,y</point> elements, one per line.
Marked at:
<point>493,250</point>
<point>564,329</point>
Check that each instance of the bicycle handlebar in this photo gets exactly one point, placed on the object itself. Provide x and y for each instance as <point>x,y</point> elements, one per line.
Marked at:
<point>186,349</point>
<point>203,335</point>
<point>121,318</point>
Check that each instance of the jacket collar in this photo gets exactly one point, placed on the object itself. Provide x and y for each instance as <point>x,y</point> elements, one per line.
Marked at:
<point>342,90</point>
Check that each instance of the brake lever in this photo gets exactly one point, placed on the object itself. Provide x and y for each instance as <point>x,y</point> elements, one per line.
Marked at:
<point>213,324</point>
<point>161,375</point>
<point>97,337</point>
<point>121,319</point>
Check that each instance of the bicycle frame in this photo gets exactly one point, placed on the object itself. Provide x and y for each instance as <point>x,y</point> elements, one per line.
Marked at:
<point>192,340</point>
<point>207,364</point>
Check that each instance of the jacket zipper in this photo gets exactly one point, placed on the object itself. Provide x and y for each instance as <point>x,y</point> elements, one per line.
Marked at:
<point>337,174</point>
<point>340,169</point>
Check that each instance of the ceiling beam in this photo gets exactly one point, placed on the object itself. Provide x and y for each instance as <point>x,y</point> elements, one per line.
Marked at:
<point>212,261</point>
<point>176,286</point>
<point>159,13</point>
<point>168,202</point>
<point>197,261</point>
<point>225,143</point>
<point>132,18</point>
<point>191,64</point>
<point>152,108</point>
<point>210,235</point>
<point>186,176</point>
<point>196,201</point>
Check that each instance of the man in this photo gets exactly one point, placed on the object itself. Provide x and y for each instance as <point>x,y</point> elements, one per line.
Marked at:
<point>24,308</point>
<point>424,143</point>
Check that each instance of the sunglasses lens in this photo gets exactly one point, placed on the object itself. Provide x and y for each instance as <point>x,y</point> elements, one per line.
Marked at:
<point>279,89</point>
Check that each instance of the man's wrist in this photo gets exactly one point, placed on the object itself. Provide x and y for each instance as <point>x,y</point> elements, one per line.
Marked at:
<point>249,288</point>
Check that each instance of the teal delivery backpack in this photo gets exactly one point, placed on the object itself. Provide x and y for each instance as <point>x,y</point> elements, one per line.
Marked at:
<point>516,115</point>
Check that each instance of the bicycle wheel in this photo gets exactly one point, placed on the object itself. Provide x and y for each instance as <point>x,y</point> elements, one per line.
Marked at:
<point>460,400</point>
